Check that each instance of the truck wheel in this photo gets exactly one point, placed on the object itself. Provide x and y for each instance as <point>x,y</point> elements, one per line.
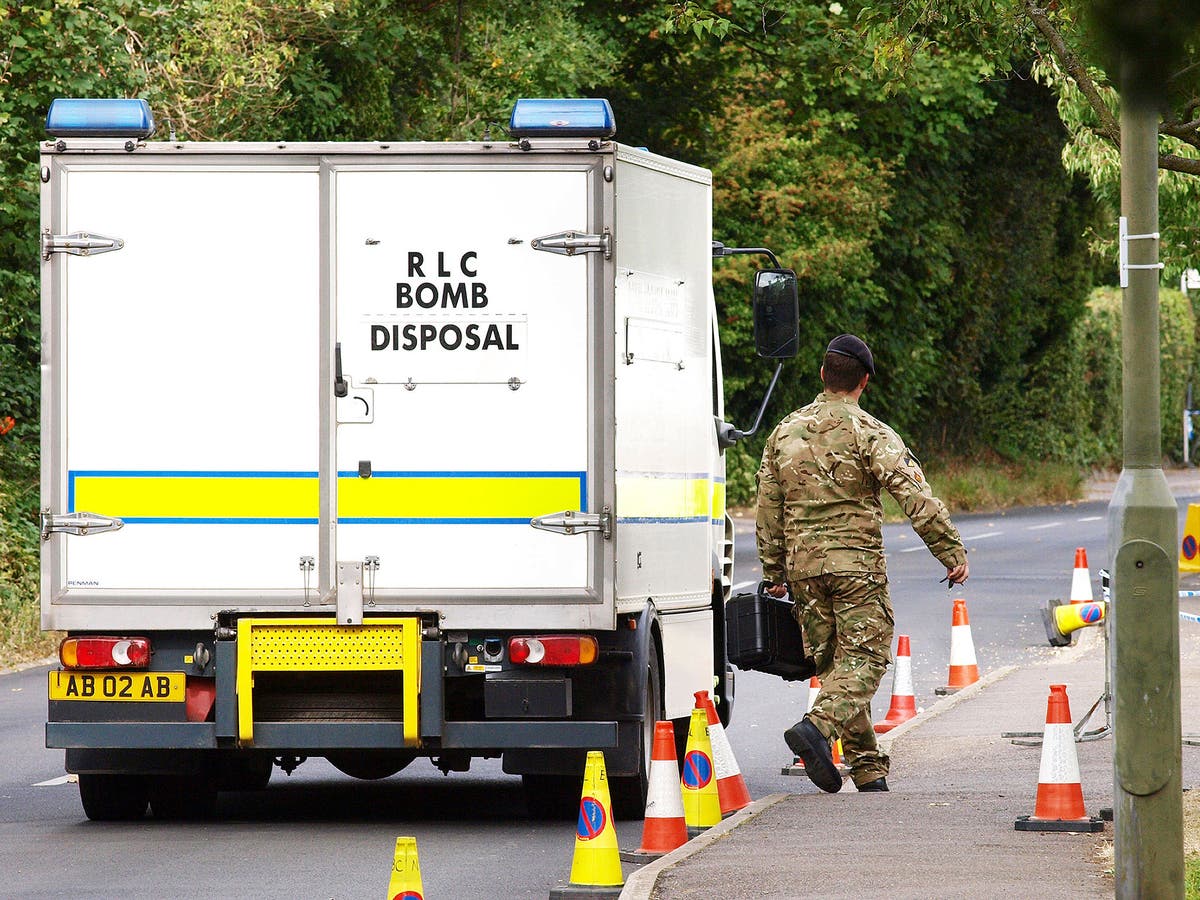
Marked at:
<point>244,771</point>
<point>183,797</point>
<point>552,798</point>
<point>629,791</point>
<point>113,798</point>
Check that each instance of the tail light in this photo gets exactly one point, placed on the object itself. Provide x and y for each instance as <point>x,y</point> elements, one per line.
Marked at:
<point>553,650</point>
<point>104,653</point>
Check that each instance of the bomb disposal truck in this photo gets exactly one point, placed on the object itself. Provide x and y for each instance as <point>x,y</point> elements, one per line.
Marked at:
<point>376,451</point>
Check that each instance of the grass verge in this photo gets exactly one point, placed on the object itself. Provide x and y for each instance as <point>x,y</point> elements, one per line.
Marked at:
<point>1191,844</point>
<point>21,637</point>
<point>991,484</point>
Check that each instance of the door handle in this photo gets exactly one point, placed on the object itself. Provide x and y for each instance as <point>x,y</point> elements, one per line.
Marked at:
<point>340,387</point>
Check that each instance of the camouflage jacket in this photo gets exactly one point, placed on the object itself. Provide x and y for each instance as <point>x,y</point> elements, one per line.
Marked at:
<point>818,494</point>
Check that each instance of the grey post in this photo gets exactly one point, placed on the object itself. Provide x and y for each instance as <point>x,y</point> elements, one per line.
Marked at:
<point>1142,531</point>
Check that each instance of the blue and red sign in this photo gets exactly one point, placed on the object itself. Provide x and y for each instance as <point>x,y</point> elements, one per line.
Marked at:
<point>1090,613</point>
<point>591,819</point>
<point>697,770</point>
<point>408,895</point>
<point>1189,546</point>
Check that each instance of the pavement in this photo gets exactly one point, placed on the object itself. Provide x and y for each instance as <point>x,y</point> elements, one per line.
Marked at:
<point>946,828</point>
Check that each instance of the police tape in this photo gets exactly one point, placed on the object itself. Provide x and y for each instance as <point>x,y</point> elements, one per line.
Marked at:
<point>1188,617</point>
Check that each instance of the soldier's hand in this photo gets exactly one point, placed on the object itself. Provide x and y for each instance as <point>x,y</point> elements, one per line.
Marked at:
<point>777,590</point>
<point>958,574</point>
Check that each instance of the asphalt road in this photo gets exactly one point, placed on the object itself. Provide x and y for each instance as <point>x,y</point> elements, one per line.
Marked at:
<point>320,834</point>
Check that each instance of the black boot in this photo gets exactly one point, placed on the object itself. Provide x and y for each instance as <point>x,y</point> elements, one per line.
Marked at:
<point>807,742</point>
<point>879,784</point>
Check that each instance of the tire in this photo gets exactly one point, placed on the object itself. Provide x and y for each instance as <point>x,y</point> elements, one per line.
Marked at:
<point>113,798</point>
<point>552,798</point>
<point>370,765</point>
<point>184,798</point>
<point>244,771</point>
<point>629,791</point>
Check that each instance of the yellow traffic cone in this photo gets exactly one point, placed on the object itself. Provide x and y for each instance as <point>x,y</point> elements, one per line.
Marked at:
<point>596,866</point>
<point>701,802</point>
<point>1189,549</point>
<point>405,883</point>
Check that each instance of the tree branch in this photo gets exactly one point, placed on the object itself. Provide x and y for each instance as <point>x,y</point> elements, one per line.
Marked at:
<point>1173,163</point>
<point>1109,126</point>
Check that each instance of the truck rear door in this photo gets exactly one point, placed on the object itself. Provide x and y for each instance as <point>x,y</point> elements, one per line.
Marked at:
<point>182,384</point>
<point>471,369</point>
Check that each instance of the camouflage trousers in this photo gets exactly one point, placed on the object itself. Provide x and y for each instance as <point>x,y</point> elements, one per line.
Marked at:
<point>847,623</point>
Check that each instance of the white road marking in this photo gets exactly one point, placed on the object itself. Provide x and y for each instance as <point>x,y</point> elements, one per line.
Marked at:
<point>62,779</point>
<point>986,534</point>
<point>744,584</point>
<point>1040,527</point>
<point>1090,519</point>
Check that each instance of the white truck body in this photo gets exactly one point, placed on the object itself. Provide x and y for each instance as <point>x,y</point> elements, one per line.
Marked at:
<point>190,390</point>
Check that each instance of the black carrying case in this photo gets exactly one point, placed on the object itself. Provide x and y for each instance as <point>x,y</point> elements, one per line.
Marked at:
<point>761,635</point>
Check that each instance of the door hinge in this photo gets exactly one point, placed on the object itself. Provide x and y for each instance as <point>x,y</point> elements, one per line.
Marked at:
<point>79,243</point>
<point>77,523</point>
<point>568,243</point>
<point>574,522</point>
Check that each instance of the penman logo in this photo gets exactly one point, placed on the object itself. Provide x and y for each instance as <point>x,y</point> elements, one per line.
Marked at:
<point>72,583</point>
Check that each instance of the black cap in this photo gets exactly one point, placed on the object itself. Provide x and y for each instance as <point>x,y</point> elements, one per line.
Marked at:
<point>849,345</point>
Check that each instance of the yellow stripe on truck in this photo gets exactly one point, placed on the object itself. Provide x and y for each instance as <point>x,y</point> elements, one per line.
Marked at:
<point>669,497</point>
<point>293,497</point>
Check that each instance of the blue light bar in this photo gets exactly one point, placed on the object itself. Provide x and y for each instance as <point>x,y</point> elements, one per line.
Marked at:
<point>562,118</point>
<point>99,118</point>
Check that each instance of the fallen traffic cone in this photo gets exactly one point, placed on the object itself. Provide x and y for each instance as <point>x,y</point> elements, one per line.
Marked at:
<point>731,786</point>
<point>1081,579</point>
<point>964,670</point>
<point>1063,619</point>
<point>1059,804</point>
<point>664,827</point>
<point>596,866</point>
<point>904,704</point>
<point>405,883</point>
<point>701,803</point>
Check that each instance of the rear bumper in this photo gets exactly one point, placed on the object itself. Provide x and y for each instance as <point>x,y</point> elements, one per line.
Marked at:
<point>318,737</point>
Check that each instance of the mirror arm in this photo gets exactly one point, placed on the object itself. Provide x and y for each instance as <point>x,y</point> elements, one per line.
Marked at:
<point>719,250</point>
<point>728,435</point>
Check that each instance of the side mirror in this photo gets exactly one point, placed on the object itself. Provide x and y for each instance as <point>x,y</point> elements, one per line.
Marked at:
<point>776,314</point>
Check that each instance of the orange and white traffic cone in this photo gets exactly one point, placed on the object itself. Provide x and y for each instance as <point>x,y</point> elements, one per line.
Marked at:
<point>1081,579</point>
<point>731,786</point>
<point>797,764</point>
<point>904,704</point>
<point>1059,805</point>
<point>814,688</point>
<point>964,670</point>
<point>664,827</point>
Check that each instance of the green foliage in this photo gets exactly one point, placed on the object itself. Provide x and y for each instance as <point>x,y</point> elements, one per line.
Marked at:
<point>1098,336</point>
<point>926,209</point>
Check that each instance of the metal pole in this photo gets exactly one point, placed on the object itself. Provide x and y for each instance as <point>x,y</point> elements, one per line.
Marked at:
<point>1147,762</point>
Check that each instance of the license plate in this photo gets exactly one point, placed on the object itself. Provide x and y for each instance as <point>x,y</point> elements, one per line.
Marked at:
<point>162,687</point>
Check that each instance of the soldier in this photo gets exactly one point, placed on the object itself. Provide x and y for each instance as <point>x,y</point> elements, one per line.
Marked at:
<point>820,533</point>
